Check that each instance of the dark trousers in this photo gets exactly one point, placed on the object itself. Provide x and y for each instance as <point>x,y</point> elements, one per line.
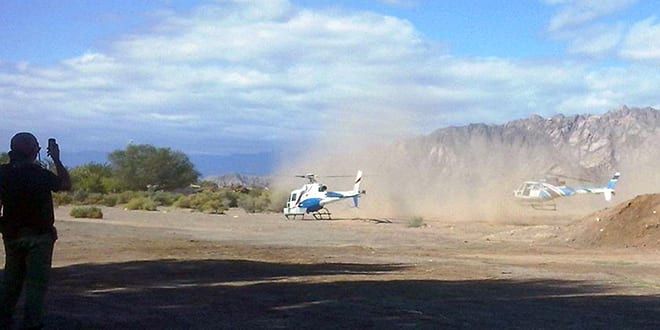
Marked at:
<point>28,261</point>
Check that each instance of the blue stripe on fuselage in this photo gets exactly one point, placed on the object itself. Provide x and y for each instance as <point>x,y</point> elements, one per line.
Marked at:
<point>311,204</point>
<point>567,191</point>
<point>334,194</point>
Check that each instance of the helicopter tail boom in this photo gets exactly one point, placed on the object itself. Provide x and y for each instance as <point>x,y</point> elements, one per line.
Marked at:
<point>607,191</point>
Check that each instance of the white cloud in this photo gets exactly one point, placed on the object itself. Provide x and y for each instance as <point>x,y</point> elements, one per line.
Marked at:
<point>236,75</point>
<point>643,41</point>
<point>596,41</point>
<point>401,3</point>
<point>574,13</point>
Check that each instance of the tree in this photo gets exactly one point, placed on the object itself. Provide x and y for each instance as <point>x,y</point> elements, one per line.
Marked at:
<point>4,158</point>
<point>94,178</point>
<point>140,166</point>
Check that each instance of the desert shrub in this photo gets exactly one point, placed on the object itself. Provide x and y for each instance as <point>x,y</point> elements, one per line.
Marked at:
<point>87,212</point>
<point>126,196</point>
<point>416,222</point>
<point>110,200</point>
<point>92,178</point>
<point>62,198</point>
<point>206,201</point>
<point>208,185</point>
<point>141,203</point>
<point>183,202</point>
<point>229,197</point>
<point>111,185</point>
<point>213,206</point>
<point>79,197</point>
<point>163,198</point>
<point>93,199</point>
<point>253,203</point>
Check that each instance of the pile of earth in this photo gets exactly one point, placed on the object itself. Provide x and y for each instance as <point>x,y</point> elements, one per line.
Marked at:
<point>634,223</point>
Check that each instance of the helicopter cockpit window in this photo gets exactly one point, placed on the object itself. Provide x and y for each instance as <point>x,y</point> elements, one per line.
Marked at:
<point>293,197</point>
<point>528,187</point>
<point>323,188</point>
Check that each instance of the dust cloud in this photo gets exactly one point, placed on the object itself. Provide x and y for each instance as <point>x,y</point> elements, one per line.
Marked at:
<point>456,174</point>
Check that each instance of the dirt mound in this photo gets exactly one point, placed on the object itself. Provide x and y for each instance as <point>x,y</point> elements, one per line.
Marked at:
<point>634,223</point>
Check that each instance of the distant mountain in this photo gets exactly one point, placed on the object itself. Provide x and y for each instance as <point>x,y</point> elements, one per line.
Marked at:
<point>236,179</point>
<point>587,145</point>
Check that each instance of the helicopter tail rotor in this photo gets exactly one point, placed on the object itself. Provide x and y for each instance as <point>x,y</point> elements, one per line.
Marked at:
<point>358,180</point>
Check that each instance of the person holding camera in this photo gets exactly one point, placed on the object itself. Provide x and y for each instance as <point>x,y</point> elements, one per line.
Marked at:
<point>28,229</point>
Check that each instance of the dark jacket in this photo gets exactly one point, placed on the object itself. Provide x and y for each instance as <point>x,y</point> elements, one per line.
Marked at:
<point>25,192</point>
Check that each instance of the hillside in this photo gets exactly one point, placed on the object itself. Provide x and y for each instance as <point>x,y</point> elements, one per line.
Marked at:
<point>236,179</point>
<point>634,223</point>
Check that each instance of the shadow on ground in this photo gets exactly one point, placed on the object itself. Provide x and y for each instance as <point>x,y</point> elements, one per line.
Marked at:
<point>246,294</point>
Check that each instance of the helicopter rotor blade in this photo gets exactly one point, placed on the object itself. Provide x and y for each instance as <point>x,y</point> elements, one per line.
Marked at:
<point>571,177</point>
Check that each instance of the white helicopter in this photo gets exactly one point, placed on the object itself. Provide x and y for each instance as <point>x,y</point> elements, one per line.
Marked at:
<point>540,194</point>
<point>314,196</point>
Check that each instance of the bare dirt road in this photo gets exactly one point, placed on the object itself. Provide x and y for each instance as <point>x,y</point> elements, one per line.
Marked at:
<point>181,270</point>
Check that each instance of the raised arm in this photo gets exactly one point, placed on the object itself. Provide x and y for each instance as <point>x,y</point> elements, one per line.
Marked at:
<point>62,172</point>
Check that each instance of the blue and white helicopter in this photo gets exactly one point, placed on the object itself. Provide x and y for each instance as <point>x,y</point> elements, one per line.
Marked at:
<point>314,196</point>
<point>540,194</point>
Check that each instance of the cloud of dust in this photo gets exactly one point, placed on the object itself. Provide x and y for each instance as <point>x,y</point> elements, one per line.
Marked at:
<point>463,174</point>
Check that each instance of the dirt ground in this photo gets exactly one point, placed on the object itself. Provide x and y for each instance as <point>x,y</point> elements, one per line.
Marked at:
<point>179,270</point>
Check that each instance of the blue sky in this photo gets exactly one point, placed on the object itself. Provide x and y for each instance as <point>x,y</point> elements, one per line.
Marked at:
<point>241,77</point>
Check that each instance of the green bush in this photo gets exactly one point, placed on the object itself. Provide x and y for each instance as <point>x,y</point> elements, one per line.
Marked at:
<point>416,222</point>
<point>92,178</point>
<point>206,201</point>
<point>253,203</point>
<point>62,198</point>
<point>183,202</point>
<point>87,212</point>
<point>141,203</point>
<point>93,199</point>
<point>163,198</point>
<point>126,196</point>
<point>79,197</point>
<point>110,200</point>
<point>213,206</point>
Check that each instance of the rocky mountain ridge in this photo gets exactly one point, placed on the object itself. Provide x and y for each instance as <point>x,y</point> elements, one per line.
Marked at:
<point>587,145</point>
<point>240,180</point>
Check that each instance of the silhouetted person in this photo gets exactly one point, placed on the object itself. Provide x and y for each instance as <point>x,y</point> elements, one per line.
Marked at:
<point>27,227</point>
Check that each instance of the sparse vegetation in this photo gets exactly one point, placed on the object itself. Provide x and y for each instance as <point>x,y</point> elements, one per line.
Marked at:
<point>257,200</point>
<point>144,177</point>
<point>141,203</point>
<point>62,198</point>
<point>205,201</point>
<point>110,200</point>
<point>89,212</point>
<point>416,222</point>
<point>163,198</point>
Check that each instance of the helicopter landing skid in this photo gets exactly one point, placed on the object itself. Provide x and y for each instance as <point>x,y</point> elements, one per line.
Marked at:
<point>322,214</point>
<point>545,207</point>
<point>294,216</point>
